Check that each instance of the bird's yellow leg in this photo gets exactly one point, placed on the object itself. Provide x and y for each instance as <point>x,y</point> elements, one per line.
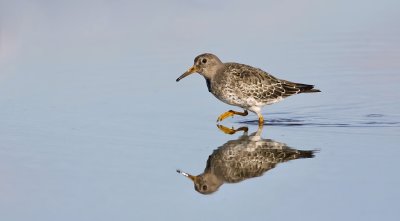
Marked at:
<point>231,113</point>
<point>231,131</point>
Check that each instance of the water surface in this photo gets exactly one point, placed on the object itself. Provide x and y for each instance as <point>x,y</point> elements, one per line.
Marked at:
<point>93,125</point>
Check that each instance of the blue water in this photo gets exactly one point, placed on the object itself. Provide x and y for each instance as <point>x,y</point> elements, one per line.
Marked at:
<point>93,125</point>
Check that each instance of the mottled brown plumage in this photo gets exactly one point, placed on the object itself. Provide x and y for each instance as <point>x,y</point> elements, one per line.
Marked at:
<point>242,85</point>
<point>244,158</point>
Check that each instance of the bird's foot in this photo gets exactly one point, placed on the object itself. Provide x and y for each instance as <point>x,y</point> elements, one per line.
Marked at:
<point>225,115</point>
<point>231,113</point>
<point>227,130</point>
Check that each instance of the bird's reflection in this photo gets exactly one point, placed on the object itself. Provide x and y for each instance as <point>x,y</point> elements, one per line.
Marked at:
<point>246,157</point>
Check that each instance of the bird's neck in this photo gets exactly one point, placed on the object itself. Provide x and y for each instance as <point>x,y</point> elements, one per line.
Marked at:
<point>212,72</point>
<point>213,179</point>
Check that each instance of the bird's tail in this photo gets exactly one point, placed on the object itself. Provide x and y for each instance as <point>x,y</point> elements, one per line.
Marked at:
<point>306,153</point>
<point>297,88</point>
<point>306,88</point>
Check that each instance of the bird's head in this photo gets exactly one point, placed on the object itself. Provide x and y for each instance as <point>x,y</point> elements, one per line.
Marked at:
<point>205,183</point>
<point>205,64</point>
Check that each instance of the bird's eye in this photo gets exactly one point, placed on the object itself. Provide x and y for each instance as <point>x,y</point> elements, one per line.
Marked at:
<point>204,61</point>
<point>204,187</point>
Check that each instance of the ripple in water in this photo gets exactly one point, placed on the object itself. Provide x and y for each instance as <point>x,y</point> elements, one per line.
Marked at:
<point>365,121</point>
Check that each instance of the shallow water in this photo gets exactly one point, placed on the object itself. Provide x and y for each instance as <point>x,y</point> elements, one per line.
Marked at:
<point>93,125</point>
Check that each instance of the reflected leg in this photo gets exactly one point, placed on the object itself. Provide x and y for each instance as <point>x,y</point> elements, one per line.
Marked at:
<point>231,130</point>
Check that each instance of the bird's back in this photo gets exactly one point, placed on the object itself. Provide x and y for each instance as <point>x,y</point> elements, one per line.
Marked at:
<point>246,86</point>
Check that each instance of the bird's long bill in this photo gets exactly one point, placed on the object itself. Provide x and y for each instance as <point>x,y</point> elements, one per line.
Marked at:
<point>187,175</point>
<point>191,70</point>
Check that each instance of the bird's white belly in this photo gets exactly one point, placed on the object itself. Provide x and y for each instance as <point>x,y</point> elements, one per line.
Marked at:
<point>272,101</point>
<point>237,100</point>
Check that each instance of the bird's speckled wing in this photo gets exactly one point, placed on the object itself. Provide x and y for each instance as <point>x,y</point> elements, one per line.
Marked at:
<point>249,82</point>
<point>242,159</point>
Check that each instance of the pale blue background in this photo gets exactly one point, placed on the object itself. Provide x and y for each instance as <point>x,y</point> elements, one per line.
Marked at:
<point>93,124</point>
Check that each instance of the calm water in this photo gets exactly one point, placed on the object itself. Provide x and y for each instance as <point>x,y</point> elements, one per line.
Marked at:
<point>93,125</point>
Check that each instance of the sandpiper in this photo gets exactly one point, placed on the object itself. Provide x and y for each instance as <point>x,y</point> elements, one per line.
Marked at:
<point>247,157</point>
<point>243,86</point>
